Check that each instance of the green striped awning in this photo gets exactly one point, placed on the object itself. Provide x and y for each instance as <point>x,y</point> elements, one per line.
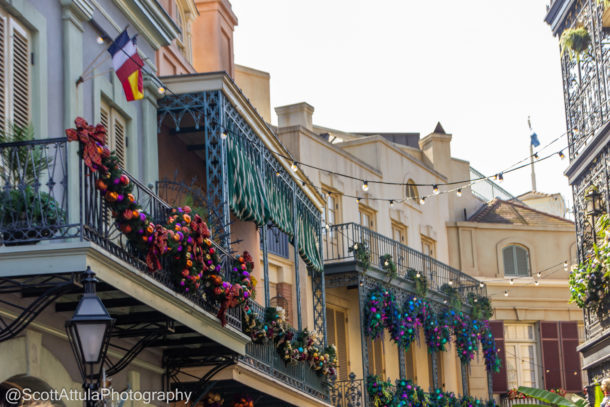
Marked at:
<point>252,198</point>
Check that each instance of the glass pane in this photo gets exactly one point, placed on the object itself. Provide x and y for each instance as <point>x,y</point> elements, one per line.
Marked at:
<point>522,261</point>
<point>91,337</point>
<point>509,262</point>
<point>511,366</point>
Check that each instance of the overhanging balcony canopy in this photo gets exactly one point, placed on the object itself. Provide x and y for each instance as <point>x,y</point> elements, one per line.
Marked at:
<point>248,171</point>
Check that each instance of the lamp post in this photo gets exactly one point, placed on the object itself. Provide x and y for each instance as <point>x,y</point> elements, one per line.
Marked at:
<point>89,334</point>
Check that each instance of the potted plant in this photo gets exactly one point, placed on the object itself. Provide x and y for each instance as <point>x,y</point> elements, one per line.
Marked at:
<point>575,40</point>
<point>27,214</point>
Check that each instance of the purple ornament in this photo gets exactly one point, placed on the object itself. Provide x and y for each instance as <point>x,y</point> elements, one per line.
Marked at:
<point>246,294</point>
<point>116,181</point>
<point>179,248</point>
<point>120,197</point>
<point>142,216</point>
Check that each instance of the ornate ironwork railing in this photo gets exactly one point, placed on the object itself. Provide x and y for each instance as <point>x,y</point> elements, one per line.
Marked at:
<point>36,204</point>
<point>506,402</point>
<point>347,393</point>
<point>264,357</point>
<point>340,238</point>
<point>277,242</point>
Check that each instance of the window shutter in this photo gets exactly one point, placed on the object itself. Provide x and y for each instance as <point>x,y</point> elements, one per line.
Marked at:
<point>570,357</point>
<point>522,261</point>
<point>341,343</point>
<point>500,380</point>
<point>509,261</point>
<point>104,120</point>
<point>20,86</point>
<point>551,357</point>
<point>119,138</point>
<point>3,37</point>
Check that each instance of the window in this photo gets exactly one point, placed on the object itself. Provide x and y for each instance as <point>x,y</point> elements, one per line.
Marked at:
<point>336,323</point>
<point>376,362</point>
<point>331,212</point>
<point>15,74</point>
<point>428,246</point>
<point>116,135</point>
<point>412,193</point>
<point>399,232</point>
<point>521,355</point>
<point>516,261</point>
<point>367,217</point>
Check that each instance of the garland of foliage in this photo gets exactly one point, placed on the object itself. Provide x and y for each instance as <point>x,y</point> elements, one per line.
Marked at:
<point>383,312</point>
<point>388,265</point>
<point>421,282</point>
<point>406,393</point>
<point>590,282</point>
<point>184,243</point>
<point>362,255</point>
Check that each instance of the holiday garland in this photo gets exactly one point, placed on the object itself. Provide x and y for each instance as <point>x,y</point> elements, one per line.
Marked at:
<point>421,283</point>
<point>362,255</point>
<point>405,393</point>
<point>388,265</point>
<point>383,312</point>
<point>183,247</point>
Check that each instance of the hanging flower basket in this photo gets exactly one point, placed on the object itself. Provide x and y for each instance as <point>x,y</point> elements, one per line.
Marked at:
<point>575,41</point>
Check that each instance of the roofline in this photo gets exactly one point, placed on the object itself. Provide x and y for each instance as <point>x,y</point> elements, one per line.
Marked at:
<point>494,201</point>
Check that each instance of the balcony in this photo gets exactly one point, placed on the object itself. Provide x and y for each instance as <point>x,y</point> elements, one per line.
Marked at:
<point>54,223</point>
<point>339,259</point>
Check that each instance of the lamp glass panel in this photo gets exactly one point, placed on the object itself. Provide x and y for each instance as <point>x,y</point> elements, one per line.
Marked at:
<point>90,306</point>
<point>91,337</point>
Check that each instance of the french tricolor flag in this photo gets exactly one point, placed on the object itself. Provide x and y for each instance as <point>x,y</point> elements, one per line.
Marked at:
<point>128,65</point>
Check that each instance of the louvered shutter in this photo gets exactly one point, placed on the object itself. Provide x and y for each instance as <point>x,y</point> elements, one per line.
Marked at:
<point>522,261</point>
<point>551,355</point>
<point>375,351</point>
<point>570,357</point>
<point>119,138</point>
<point>20,73</point>
<point>3,39</point>
<point>509,261</point>
<point>105,120</point>
<point>341,344</point>
<point>500,380</point>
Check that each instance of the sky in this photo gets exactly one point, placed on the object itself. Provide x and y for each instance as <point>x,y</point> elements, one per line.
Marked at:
<point>480,67</point>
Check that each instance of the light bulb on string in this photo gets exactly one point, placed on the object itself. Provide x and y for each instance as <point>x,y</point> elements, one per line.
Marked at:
<point>435,189</point>
<point>294,166</point>
<point>361,282</point>
<point>481,284</point>
<point>512,281</point>
<point>391,203</point>
<point>565,265</point>
<point>224,135</point>
<point>100,40</point>
<point>538,274</point>
<point>418,275</point>
<point>536,156</point>
<point>422,200</point>
<point>161,90</point>
<point>562,155</point>
<point>277,173</point>
<point>450,282</point>
<point>459,192</point>
<point>536,282</point>
<point>500,177</point>
<point>358,200</point>
<point>506,293</point>
<point>444,301</point>
<point>365,186</point>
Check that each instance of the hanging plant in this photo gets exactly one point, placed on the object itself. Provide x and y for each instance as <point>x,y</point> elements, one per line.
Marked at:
<point>213,400</point>
<point>453,297</point>
<point>378,307</point>
<point>388,265</point>
<point>362,255</point>
<point>480,305</point>
<point>590,281</point>
<point>575,40</point>
<point>421,283</point>
<point>379,391</point>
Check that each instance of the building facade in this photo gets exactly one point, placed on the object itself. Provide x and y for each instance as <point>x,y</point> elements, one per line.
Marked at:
<point>585,86</point>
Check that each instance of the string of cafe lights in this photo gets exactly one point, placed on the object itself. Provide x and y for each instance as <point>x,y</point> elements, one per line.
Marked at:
<point>536,282</point>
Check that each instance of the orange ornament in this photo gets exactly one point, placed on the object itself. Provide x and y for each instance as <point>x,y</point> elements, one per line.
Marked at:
<point>187,218</point>
<point>189,263</point>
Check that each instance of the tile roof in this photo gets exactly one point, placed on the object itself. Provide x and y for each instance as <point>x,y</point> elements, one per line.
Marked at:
<point>500,211</point>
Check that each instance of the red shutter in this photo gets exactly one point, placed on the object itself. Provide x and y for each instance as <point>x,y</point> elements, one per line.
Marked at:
<point>551,355</point>
<point>500,381</point>
<point>570,356</point>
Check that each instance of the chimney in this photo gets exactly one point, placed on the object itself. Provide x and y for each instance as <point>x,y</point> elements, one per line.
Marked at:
<point>299,114</point>
<point>212,36</point>
<point>437,148</point>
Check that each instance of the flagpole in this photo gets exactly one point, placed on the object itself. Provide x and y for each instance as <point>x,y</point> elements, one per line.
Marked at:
<point>529,123</point>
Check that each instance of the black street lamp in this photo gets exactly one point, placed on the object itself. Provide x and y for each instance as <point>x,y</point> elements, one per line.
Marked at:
<point>89,334</point>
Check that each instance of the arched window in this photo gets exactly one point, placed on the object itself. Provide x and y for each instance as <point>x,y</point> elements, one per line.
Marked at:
<point>516,261</point>
<point>412,191</point>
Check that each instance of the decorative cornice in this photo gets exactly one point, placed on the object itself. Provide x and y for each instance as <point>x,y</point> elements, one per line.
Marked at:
<point>82,8</point>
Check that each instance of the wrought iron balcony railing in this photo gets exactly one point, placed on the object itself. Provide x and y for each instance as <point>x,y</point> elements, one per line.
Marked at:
<point>340,238</point>
<point>347,393</point>
<point>37,202</point>
<point>264,357</point>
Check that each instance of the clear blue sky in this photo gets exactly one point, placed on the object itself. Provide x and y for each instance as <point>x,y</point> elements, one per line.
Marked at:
<point>480,67</point>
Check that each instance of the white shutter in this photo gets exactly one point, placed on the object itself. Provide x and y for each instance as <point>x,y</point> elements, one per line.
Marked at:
<point>3,48</point>
<point>20,75</point>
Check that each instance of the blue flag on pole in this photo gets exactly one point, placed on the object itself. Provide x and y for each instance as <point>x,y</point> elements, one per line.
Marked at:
<point>534,140</point>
